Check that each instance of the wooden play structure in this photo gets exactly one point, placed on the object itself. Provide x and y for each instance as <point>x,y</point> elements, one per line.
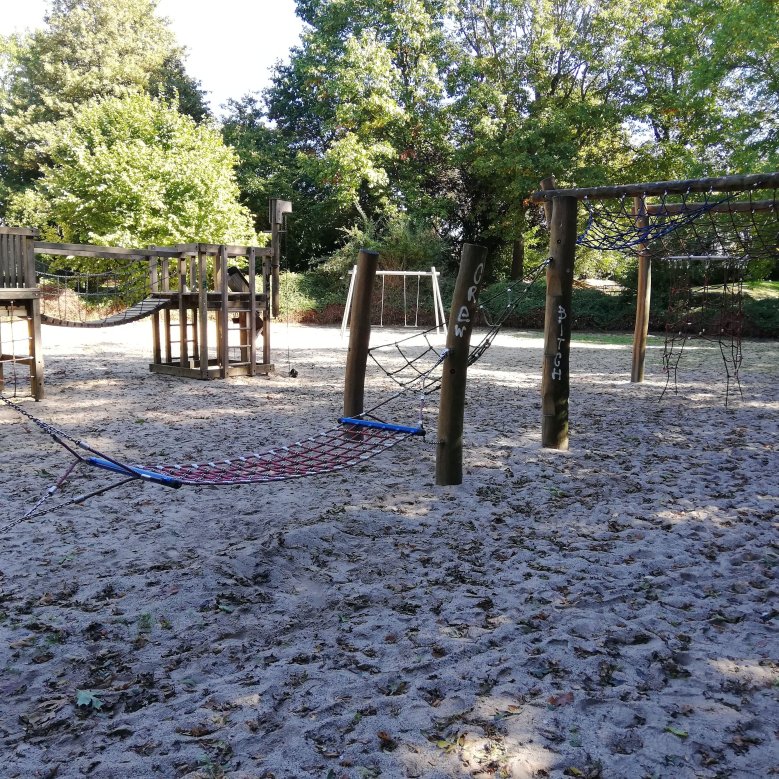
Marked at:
<point>20,312</point>
<point>729,220</point>
<point>209,304</point>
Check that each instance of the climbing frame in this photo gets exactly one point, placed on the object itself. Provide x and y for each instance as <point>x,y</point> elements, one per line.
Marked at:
<point>20,321</point>
<point>200,285</point>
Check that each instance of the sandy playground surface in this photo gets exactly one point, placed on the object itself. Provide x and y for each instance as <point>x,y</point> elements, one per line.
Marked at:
<point>607,612</point>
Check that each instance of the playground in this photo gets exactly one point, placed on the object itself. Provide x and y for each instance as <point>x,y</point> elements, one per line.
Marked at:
<point>606,611</point>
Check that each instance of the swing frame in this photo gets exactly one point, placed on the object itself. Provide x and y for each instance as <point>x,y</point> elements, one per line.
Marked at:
<point>432,274</point>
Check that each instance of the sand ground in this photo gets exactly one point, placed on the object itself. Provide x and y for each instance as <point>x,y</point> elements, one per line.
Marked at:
<point>610,611</point>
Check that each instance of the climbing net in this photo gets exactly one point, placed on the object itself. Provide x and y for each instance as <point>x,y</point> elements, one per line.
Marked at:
<point>706,302</point>
<point>114,296</point>
<point>415,363</point>
<point>707,242</point>
<point>16,344</point>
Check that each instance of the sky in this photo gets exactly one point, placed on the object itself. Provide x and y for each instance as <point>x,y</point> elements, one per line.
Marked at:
<point>231,44</point>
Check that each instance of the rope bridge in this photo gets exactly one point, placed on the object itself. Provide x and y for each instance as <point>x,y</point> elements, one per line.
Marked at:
<point>77,299</point>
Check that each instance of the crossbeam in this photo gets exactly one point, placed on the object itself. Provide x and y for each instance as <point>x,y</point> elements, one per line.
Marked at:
<point>719,184</point>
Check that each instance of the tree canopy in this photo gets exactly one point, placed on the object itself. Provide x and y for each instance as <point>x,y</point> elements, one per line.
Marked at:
<point>133,171</point>
<point>88,49</point>
<point>392,119</point>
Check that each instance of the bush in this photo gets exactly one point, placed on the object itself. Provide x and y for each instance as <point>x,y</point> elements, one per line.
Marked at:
<point>404,244</point>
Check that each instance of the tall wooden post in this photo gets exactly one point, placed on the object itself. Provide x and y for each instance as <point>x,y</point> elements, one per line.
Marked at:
<point>643,296</point>
<point>359,334</point>
<point>555,382</point>
<point>449,450</point>
<point>37,385</point>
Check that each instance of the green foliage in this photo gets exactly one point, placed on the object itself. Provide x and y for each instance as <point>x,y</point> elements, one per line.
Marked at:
<point>89,49</point>
<point>404,244</point>
<point>133,171</point>
<point>314,291</point>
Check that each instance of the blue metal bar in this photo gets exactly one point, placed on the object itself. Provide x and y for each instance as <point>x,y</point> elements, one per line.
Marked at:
<point>382,425</point>
<point>129,470</point>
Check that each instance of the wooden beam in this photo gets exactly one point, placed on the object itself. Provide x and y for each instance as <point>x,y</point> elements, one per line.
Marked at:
<point>741,206</point>
<point>451,416</point>
<point>85,250</point>
<point>719,184</point>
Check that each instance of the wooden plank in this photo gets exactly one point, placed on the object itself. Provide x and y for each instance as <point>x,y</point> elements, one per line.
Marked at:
<point>233,250</point>
<point>15,270</point>
<point>718,184</point>
<point>451,417</point>
<point>86,250</point>
<point>4,257</point>
<point>555,381</point>
<point>19,293</point>
<point>19,231</point>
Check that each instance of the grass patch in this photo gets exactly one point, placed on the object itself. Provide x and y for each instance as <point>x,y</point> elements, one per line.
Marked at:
<point>762,290</point>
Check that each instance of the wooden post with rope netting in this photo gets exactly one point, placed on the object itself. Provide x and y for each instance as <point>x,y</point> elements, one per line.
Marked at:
<point>20,318</point>
<point>729,222</point>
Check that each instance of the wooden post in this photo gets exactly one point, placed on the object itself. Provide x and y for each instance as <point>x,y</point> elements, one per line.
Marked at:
<point>251,332</point>
<point>359,334</point>
<point>37,385</point>
<point>202,302</point>
<point>223,316</point>
<point>183,345</point>
<point>555,382</point>
<point>449,451</point>
<point>643,296</point>
<point>266,289</point>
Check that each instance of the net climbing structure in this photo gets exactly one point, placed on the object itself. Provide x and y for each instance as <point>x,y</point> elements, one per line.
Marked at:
<point>704,234</point>
<point>413,364</point>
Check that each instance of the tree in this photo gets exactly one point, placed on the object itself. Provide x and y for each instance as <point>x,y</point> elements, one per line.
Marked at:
<point>89,49</point>
<point>705,87</point>
<point>133,171</point>
<point>358,105</point>
<point>537,90</point>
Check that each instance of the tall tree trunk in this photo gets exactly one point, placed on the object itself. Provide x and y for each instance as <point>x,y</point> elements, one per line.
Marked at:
<point>518,258</point>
